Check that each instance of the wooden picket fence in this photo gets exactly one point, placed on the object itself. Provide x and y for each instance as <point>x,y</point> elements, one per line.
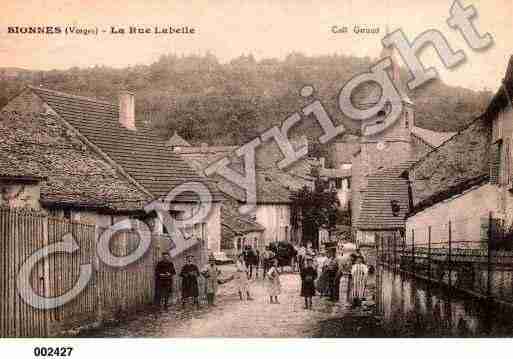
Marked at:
<point>111,290</point>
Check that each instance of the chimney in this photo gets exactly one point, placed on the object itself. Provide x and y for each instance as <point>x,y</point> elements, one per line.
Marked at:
<point>127,109</point>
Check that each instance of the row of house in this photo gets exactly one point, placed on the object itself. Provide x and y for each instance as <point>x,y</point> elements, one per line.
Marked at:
<point>90,161</point>
<point>273,214</point>
<point>468,177</point>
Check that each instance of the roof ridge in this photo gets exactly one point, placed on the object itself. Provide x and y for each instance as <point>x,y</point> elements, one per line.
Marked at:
<point>66,94</point>
<point>423,140</point>
<point>436,149</point>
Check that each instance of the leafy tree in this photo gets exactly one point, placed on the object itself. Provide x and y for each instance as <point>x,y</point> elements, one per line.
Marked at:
<point>314,208</point>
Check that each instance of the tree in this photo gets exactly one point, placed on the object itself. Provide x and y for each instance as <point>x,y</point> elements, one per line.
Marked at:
<point>314,208</point>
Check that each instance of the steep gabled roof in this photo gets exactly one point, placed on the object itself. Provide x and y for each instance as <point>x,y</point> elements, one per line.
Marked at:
<point>433,138</point>
<point>458,164</point>
<point>273,185</point>
<point>177,141</point>
<point>504,95</point>
<point>71,174</point>
<point>383,187</point>
<point>237,223</point>
<point>143,154</point>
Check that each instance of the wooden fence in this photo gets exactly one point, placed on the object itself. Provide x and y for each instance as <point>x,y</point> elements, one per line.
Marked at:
<point>110,291</point>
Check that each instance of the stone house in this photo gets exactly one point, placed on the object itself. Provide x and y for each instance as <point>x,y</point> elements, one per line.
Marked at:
<point>117,164</point>
<point>466,178</point>
<point>273,208</point>
<point>43,166</point>
<point>239,231</point>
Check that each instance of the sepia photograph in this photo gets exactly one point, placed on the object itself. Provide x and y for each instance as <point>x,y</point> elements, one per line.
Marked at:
<point>255,170</point>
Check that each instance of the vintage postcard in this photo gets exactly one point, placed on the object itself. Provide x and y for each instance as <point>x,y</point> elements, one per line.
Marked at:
<point>255,169</point>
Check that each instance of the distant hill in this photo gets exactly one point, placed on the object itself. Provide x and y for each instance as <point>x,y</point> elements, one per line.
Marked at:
<point>206,101</point>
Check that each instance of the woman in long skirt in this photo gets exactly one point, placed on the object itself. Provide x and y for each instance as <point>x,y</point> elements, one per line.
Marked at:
<point>273,283</point>
<point>359,273</point>
<point>241,278</point>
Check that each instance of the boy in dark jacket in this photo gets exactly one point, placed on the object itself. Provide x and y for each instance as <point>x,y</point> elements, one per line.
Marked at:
<point>308,276</point>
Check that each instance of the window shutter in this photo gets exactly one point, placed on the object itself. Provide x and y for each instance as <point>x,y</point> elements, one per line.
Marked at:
<point>484,231</point>
<point>507,163</point>
<point>495,160</point>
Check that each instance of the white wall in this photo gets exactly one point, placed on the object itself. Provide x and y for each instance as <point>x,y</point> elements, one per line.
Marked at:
<point>275,218</point>
<point>468,213</point>
<point>213,223</point>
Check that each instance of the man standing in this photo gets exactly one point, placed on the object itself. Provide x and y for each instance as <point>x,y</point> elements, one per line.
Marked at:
<point>189,275</point>
<point>164,272</point>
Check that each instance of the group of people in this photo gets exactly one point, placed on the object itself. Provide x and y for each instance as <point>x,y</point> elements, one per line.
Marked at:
<point>271,276</point>
<point>320,273</point>
<point>190,275</point>
<point>248,263</point>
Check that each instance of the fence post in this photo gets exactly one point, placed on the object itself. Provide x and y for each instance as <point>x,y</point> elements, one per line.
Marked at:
<point>489,256</point>
<point>429,252</point>
<point>450,254</point>
<point>395,251</point>
<point>46,276</point>
<point>413,249</point>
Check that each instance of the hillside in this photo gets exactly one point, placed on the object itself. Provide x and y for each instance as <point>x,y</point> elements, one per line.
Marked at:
<point>206,101</point>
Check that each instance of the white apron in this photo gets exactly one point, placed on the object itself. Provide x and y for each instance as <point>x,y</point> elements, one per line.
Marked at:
<point>359,280</point>
<point>273,282</point>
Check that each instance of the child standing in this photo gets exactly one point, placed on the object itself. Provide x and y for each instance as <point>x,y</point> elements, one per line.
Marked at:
<point>274,284</point>
<point>211,274</point>
<point>308,276</point>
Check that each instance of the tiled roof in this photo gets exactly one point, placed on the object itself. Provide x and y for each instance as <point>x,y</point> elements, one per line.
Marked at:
<point>237,223</point>
<point>39,145</point>
<point>448,169</point>
<point>177,141</point>
<point>269,189</point>
<point>143,154</point>
<point>504,95</point>
<point>11,168</point>
<point>383,187</point>
<point>433,138</point>
<point>273,185</point>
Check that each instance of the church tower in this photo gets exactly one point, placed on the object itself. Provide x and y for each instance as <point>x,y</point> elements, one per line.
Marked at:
<point>391,146</point>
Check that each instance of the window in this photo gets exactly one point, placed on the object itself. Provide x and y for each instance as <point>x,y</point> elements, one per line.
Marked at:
<point>348,183</point>
<point>338,183</point>
<point>67,214</point>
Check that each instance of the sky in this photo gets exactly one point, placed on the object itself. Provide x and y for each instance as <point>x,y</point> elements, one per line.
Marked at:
<point>230,28</point>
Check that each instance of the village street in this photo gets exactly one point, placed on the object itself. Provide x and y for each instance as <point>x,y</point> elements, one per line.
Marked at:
<point>233,318</point>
